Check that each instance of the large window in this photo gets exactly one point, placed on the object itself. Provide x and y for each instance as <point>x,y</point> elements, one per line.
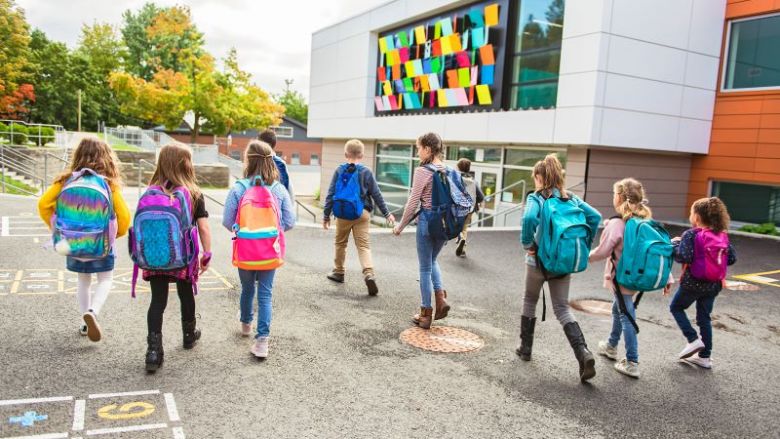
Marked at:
<point>537,56</point>
<point>518,167</point>
<point>475,154</point>
<point>395,164</point>
<point>750,203</point>
<point>753,55</point>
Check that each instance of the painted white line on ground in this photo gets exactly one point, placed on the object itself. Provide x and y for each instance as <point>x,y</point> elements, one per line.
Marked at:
<point>173,412</point>
<point>178,433</point>
<point>4,224</point>
<point>42,436</point>
<point>125,429</point>
<point>35,400</point>
<point>114,395</point>
<point>79,410</point>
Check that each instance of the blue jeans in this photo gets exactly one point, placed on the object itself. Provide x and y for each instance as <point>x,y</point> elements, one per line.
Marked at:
<point>704,304</point>
<point>427,251</point>
<point>263,282</point>
<point>621,324</point>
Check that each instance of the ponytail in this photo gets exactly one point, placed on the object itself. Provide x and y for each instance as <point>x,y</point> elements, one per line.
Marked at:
<point>551,172</point>
<point>633,201</point>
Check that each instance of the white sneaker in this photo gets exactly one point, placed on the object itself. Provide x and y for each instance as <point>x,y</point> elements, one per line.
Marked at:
<point>246,329</point>
<point>83,330</point>
<point>704,363</point>
<point>93,329</point>
<point>260,348</point>
<point>628,368</point>
<point>691,348</point>
<point>608,350</point>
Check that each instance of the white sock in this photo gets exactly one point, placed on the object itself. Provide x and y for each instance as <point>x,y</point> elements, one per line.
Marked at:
<point>84,280</point>
<point>102,288</point>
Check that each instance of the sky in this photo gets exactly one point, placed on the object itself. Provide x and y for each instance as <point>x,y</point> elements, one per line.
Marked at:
<point>273,37</point>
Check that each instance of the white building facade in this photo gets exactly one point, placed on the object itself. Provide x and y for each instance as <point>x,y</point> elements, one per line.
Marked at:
<point>616,88</point>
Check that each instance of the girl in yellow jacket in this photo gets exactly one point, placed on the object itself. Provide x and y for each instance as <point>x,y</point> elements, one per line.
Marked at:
<point>97,156</point>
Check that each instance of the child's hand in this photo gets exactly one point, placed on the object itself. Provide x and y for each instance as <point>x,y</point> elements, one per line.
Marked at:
<point>326,224</point>
<point>677,239</point>
<point>205,260</point>
<point>396,231</point>
<point>667,289</point>
<point>391,219</point>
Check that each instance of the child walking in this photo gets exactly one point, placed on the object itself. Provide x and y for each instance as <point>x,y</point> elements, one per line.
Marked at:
<point>175,178</point>
<point>420,204</point>
<point>549,182</point>
<point>85,199</point>
<point>246,213</point>
<point>351,197</point>
<point>705,252</point>
<point>629,201</point>
<point>471,186</point>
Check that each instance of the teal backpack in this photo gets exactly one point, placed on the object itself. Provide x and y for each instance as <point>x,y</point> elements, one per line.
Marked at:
<point>563,237</point>
<point>646,260</point>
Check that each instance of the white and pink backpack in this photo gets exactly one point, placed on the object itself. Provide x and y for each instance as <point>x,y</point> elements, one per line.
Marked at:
<point>259,241</point>
<point>710,255</point>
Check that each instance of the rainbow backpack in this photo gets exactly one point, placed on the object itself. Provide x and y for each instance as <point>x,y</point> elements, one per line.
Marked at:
<point>84,222</point>
<point>259,241</point>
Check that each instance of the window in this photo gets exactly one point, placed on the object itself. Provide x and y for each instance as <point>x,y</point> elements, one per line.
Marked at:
<point>518,167</point>
<point>753,56</point>
<point>475,154</point>
<point>236,155</point>
<point>537,57</point>
<point>283,131</point>
<point>395,164</point>
<point>750,203</point>
<point>528,158</point>
<point>315,160</point>
<point>296,159</point>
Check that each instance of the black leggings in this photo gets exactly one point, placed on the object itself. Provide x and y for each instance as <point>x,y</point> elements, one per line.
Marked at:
<point>159,285</point>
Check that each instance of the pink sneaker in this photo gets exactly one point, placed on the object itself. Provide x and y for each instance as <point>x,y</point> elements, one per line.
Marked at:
<point>246,329</point>
<point>704,363</point>
<point>260,348</point>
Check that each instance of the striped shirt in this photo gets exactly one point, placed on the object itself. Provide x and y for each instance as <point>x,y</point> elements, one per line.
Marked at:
<point>421,195</point>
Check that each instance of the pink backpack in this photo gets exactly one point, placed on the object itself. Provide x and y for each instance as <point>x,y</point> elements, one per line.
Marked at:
<point>259,242</point>
<point>710,255</point>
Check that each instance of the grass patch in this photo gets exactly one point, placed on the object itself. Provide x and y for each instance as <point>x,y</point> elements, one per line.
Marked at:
<point>116,143</point>
<point>13,187</point>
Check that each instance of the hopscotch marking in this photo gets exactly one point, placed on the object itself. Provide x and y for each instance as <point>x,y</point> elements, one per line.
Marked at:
<point>173,411</point>
<point>35,400</point>
<point>101,431</point>
<point>42,436</point>
<point>121,394</point>
<point>4,223</point>
<point>178,433</point>
<point>79,412</point>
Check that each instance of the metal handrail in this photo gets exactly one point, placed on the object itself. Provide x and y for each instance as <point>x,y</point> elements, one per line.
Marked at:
<point>506,188</point>
<point>141,163</point>
<point>299,204</point>
<point>519,206</point>
<point>15,187</point>
<point>46,164</point>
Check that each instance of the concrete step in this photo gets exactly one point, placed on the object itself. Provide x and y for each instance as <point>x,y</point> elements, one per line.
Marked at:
<point>20,178</point>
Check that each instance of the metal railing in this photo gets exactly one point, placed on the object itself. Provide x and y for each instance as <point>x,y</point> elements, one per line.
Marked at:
<point>37,131</point>
<point>49,156</point>
<point>15,162</point>
<point>140,164</point>
<point>298,204</point>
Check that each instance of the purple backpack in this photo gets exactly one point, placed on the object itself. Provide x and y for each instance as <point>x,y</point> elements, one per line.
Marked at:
<point>163,237</point>
<point>710,255</point>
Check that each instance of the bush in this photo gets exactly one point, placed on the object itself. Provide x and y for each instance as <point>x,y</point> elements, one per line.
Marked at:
<point>761,229</point>
<point>3,135</point>
<point>47,135</point>
<point>20,134</point>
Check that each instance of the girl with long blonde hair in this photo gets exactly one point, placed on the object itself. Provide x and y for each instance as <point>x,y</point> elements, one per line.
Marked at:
<point>258,165</point>
<point>174,170</point>
<point>548,178</point>
<point>630,201</point>
<point>90,156</point>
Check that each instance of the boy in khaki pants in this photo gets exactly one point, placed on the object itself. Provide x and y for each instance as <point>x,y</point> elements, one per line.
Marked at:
<point>366,193</point>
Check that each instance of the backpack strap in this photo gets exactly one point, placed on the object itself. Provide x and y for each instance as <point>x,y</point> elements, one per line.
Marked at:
<point>620,298</point>
<point>135,280</point>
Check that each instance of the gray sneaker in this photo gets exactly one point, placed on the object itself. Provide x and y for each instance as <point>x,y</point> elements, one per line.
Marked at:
<point>608,350</point>
<point>628,368</point>
<point>260,348</point>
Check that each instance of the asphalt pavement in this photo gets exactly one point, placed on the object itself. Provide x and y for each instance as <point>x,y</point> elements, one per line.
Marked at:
<point>337,367</point>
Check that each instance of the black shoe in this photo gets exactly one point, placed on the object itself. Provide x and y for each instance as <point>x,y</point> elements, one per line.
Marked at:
<point>336,277</point>
<point>154,352</point>
<point>191,333</point>
<point>526,338</point>
<point>460,251</point>
<point>373,290</point>
<point>584,356</point>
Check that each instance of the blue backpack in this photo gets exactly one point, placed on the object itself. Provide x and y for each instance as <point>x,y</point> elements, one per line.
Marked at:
<point>450,204</point>
<point>347,203</point>
<point>563,237</point>
<point>647,256</point>
<point>284,178</point>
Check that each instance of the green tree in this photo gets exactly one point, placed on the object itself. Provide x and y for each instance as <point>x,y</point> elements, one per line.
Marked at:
<point>294,104</point>
<point>137,40</point>
<point>14,54</point>
<point>103,47</point>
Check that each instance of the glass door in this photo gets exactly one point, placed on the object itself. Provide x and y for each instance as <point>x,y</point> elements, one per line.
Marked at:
<point>487,179</point>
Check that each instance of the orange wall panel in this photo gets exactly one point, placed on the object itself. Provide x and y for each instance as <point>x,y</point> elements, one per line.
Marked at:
<point>733,149</point>
<point>770,121</point>
<point>768,150</point>
<point>767,166</point>
<point>737,120</point>
<point>734,135</point>
<point>769,136</point>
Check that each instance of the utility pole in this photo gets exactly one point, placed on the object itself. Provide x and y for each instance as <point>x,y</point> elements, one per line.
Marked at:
<point>79,111</point>
<point>288,83</point>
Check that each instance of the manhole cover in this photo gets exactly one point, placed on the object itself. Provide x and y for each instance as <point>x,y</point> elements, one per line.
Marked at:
<point>735,285</point>
<point>442,339</point>
<point>593,306</point>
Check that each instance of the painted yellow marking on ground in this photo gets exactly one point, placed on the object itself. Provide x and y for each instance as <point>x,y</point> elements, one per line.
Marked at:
<point>762,278</point>
<point>17,281</point>
<point>131,410</point>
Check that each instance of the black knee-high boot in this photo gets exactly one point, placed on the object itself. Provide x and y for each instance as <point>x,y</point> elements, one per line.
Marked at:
<point>584,356</point>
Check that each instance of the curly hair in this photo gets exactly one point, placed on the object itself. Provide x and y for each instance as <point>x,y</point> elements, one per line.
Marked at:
<point>713,213</point>
<point>633,201</point>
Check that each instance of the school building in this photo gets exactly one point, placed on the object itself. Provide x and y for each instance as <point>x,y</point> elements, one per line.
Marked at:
<point>616,88</point>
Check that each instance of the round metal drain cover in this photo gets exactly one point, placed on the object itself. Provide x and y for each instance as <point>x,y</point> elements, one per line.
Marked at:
<point>735,285</point>
<point>593,306</point>
<point>442,339</point>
